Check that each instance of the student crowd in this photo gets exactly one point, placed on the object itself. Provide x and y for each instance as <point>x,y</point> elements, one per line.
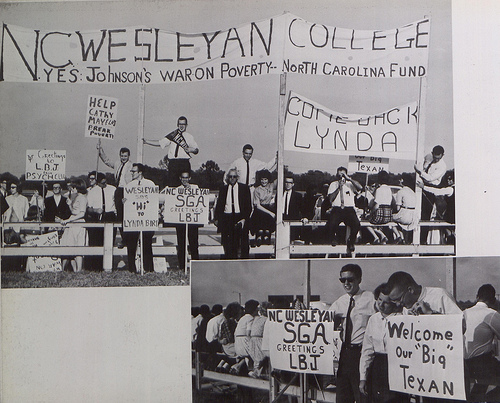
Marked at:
<point>235,339</point>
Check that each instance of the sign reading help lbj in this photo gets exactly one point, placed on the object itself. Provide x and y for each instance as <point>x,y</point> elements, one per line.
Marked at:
<point>425,355</point>
<point>45,165</point>
<point>303,340</point>
<point>186,205</point>
<point>101,117</point>
<point>141,207</point>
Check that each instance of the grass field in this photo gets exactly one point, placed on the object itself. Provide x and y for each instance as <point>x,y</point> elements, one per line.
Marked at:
<point>118,278</point>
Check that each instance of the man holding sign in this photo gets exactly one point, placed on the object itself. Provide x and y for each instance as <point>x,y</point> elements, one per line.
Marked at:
<point>181,145</point>
<point>355,308</point>
<point>131,238</point>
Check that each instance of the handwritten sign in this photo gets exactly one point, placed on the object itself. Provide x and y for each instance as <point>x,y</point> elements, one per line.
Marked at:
<point>313,128</point>
<point>141,206</point>
<point>425,355</point>
<point>143,55</point>
<point>186,205</point>
<point>359,163</point>
<point>101,117</point>
<point>303,340</point>
<point>43,263</point>
<point>45,165</point>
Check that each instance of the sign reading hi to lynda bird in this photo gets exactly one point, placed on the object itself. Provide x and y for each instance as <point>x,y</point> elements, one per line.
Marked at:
<point>186,205</point>
<point>101,117</point>
<point>45,165</point>
<point>302,340</point>
<point>140,210</point>
<point>425,355</point>
<point>144,55</point>
<point>313,128</point>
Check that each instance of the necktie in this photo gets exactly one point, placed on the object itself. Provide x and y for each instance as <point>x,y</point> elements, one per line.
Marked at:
<point>232,199</point>
<point>348,322</point>
<point>248,173</point>
<point>119,175</point>
<point>103,201</point>
<point>286,204</point>
<point>176,154</point>
<point>341,185</point>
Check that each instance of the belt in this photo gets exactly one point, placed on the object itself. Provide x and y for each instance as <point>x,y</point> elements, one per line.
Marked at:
<point>351,346</point>
<point>408,208</point>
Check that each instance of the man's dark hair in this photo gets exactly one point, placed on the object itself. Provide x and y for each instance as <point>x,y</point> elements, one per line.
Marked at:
<point>204,310</point>
<point>232,310</point>
<point>381,289</point>
<point>354,269</point>
<point>401,279</point>
<point>124,150</point>
<point>438,150</point>
<point>182,118</point>
<point>251,305</point>
<point>487,294</point>
<point>247,147</point>
<point>92,173</point>
<point>100,177</point>
<point>341,169</point>
<point>217,309</point>
<point>383,177</point>
<point>140,167</point>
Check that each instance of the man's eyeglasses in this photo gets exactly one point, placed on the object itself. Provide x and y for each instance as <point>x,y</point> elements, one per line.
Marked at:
<point>348,279</point>
<point>13,187</point>
<point>92,178</point>
<point>56,187</point>
<point>232,176</point>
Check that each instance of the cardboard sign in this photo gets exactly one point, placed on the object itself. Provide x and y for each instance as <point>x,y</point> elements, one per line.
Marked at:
<point>43,263</point>
<point>45,165</point>
<point>303,340</point>
<point>370,165</point>
<point>186,206</point>
<point>101,117</point>
<point>425,355</point>
<point>313,128</point>
<point>140,210</point>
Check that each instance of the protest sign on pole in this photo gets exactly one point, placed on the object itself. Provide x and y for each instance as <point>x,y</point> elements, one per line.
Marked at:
<point>140,210</point>
<point>303,340</point>
<point>101,117</point>
<point>45,165</point>
<point>368,165</point>
<point>43,263</point>
<point>185,205</point>
<point>425,355</point>
<point>313,128</point>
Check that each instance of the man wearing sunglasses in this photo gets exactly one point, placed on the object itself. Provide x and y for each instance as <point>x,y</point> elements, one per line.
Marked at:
<point>231,214</point>
<point>416,299</point>
<point>355,308</point>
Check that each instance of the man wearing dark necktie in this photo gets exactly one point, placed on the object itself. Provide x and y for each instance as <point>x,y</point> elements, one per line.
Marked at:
<point>231,215</point>
<point>247,166</point>
<point>354,308</point>
<point>181,146</point>
<point>292,207</point>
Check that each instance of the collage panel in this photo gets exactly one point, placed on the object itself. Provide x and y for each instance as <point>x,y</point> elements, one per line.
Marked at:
<point>339,329</point>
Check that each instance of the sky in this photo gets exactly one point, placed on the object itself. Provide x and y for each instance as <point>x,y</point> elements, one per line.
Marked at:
<point>226,114</point>
<point>214,283</point>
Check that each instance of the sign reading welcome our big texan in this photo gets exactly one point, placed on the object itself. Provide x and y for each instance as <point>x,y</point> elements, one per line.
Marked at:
<point>154,55</point>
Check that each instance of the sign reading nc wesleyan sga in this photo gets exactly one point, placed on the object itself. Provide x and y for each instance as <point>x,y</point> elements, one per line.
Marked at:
<point>144,55</point>
<point>303,340</point>
<point>185,205</point>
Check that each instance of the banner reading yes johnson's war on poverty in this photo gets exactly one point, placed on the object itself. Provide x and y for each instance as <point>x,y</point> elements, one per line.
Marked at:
<point>152,55</point>
<point>313,128</point>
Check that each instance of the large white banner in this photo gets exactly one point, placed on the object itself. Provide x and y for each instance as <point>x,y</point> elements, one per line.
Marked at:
<point>313,128</point>
<point>152,55</point>
<point>303,340</point>
<point>185,206</point>
<point>45,165</point>
<point>425,355</point>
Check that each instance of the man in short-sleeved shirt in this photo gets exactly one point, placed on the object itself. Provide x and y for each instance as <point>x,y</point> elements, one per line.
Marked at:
<point>246,166</point>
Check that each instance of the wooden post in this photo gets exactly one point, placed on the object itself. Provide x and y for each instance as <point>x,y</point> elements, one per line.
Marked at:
<point>140,128</point>
<point>107,263</point>
<point>451,276</point>
<point>186,251</point>
<point>282,235</point>
<point>141,252</point>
